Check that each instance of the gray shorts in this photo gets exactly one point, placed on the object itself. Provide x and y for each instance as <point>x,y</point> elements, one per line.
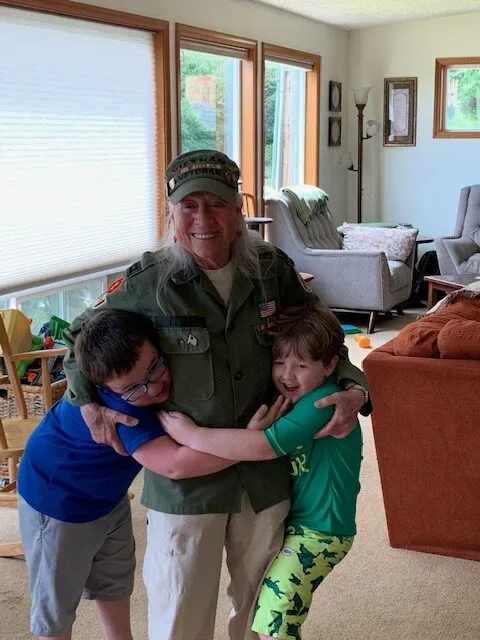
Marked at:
<point>67,561</point>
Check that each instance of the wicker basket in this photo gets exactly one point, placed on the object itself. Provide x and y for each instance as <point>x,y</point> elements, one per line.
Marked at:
<point>34,401</point>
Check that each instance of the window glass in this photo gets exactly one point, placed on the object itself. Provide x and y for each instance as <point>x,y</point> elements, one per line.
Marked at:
<point>66,303</point>
<point>462,104</point>
<point>210,102</point>
<point>285,109</point>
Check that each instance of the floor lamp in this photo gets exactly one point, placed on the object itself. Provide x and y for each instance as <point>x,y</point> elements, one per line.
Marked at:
<point>372,128</point>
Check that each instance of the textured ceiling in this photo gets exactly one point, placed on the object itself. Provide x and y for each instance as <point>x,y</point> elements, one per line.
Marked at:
<point>357,14</point>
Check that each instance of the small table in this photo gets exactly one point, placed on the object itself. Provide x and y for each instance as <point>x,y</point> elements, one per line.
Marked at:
<point>420,239</point>
<point>256,223</point>
<point>306,277</point>
<point>447,284</point>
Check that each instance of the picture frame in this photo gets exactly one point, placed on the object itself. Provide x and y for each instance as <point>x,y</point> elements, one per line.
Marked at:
<point>334,131</point>
<point>334,96</point>
<point>400,112</point>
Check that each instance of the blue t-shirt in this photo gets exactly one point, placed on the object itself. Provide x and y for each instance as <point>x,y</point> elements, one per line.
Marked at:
<point>64,474</point>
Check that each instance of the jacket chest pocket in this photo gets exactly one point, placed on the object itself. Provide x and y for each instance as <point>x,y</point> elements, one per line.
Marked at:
<point>189,356</point>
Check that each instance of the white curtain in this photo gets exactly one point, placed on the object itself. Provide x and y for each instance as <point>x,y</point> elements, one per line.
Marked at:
<point>77,147</point>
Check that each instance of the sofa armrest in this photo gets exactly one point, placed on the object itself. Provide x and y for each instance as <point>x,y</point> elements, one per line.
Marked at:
<point>425,427</point>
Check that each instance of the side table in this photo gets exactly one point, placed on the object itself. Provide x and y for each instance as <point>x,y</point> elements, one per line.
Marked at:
<point>306,277</point>
<point>447,284</point>
<point>257,224</point>
<point>421,239</point>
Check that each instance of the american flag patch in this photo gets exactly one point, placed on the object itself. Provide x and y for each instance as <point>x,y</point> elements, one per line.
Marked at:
<point>267,309</point>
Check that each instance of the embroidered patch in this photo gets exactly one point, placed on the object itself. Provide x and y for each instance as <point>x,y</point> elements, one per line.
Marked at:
<point>100,301</point>
<point>267,309</point>
<point>113,287</point>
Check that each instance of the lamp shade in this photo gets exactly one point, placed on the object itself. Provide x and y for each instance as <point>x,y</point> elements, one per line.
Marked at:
<point>346,161</point>
<point>360,95</point>
<point>372,128</point>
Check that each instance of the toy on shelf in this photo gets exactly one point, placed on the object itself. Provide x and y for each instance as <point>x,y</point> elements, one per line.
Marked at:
<point>363,341</point>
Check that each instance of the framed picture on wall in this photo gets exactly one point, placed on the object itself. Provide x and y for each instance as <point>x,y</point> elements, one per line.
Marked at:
<point>334,131</point>
<point>400,112</point>
<point>334,96</point>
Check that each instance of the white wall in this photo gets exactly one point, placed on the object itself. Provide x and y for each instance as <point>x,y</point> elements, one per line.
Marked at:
<point>413,184</point>
<point>263,23</point>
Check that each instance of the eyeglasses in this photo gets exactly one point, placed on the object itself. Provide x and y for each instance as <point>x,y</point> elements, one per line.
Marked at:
<point>139,390</point>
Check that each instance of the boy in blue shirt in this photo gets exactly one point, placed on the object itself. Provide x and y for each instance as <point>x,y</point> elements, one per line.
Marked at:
<point>325,472</point>
<point>75,518</point>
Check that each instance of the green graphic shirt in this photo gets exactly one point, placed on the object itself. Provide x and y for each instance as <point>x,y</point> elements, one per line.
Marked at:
<point>324,472</point>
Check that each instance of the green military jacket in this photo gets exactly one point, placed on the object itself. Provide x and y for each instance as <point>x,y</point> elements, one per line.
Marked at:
<point>220,360</point>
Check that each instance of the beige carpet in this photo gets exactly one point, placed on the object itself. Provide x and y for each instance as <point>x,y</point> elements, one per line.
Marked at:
<point>377,593</point>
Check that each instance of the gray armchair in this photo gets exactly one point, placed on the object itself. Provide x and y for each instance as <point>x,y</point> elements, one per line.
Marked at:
<point>356,280</point>
<point>460,253</point>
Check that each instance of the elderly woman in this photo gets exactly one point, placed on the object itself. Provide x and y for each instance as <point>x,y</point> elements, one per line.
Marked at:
<point>212,290</point>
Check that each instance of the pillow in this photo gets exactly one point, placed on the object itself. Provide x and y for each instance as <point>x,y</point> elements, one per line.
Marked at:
<point>460,340</point>
<point>421,338</point>
<point>397,244</point>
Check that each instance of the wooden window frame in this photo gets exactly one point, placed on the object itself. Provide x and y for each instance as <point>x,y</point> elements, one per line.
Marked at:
<point>441,67</point>
<point>161,51</point>
<point>248,92</point>
<point>312,105</point>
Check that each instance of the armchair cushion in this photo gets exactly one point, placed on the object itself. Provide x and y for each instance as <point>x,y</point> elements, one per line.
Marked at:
<point>397,244</point>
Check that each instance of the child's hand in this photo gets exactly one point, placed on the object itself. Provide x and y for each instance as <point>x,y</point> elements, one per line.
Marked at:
<point>178,426</point>
<point>265,415</point>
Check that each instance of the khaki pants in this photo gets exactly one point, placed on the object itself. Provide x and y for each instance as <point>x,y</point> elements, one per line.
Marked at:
<point>182,568</point>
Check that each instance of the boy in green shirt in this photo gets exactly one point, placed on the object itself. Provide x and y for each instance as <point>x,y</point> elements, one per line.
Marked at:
<point>325,471</point>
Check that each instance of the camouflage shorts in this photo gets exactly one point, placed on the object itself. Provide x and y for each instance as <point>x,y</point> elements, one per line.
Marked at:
<point>306,558</point>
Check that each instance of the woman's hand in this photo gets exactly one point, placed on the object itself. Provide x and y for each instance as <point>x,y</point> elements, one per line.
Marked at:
<point>178,426</point>
<point>348,404</point>
<point>264,416</point>
<point>102,422</point>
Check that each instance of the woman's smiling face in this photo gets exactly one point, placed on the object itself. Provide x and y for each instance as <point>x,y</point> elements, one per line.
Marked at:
<point>205,225</point>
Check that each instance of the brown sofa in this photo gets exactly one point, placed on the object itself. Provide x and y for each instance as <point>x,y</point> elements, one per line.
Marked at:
<point>426,426</point>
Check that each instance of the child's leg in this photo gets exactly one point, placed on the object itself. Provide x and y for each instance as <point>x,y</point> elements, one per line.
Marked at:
<point>111,577</point>
<point>304,561</point>
<point>65,636</point>
<point>115,618</point>
<point>59,556</point>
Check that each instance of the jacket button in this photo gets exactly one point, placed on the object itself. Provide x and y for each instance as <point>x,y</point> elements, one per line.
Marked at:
<point>238,376</point>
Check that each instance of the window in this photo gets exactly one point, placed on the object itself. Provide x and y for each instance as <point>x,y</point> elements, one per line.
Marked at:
<point>290,117</point>
<point>457,98</point>
<point>284,125</point>
<point>84,131</point>
<point>216,80</point>
<point>66,303</point>
<point>210,102</point>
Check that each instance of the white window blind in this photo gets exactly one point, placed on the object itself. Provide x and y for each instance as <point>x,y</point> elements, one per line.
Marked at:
<point>77,147</point>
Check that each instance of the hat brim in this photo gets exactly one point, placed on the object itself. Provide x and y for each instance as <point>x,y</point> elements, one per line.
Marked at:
<point>193,185</point>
